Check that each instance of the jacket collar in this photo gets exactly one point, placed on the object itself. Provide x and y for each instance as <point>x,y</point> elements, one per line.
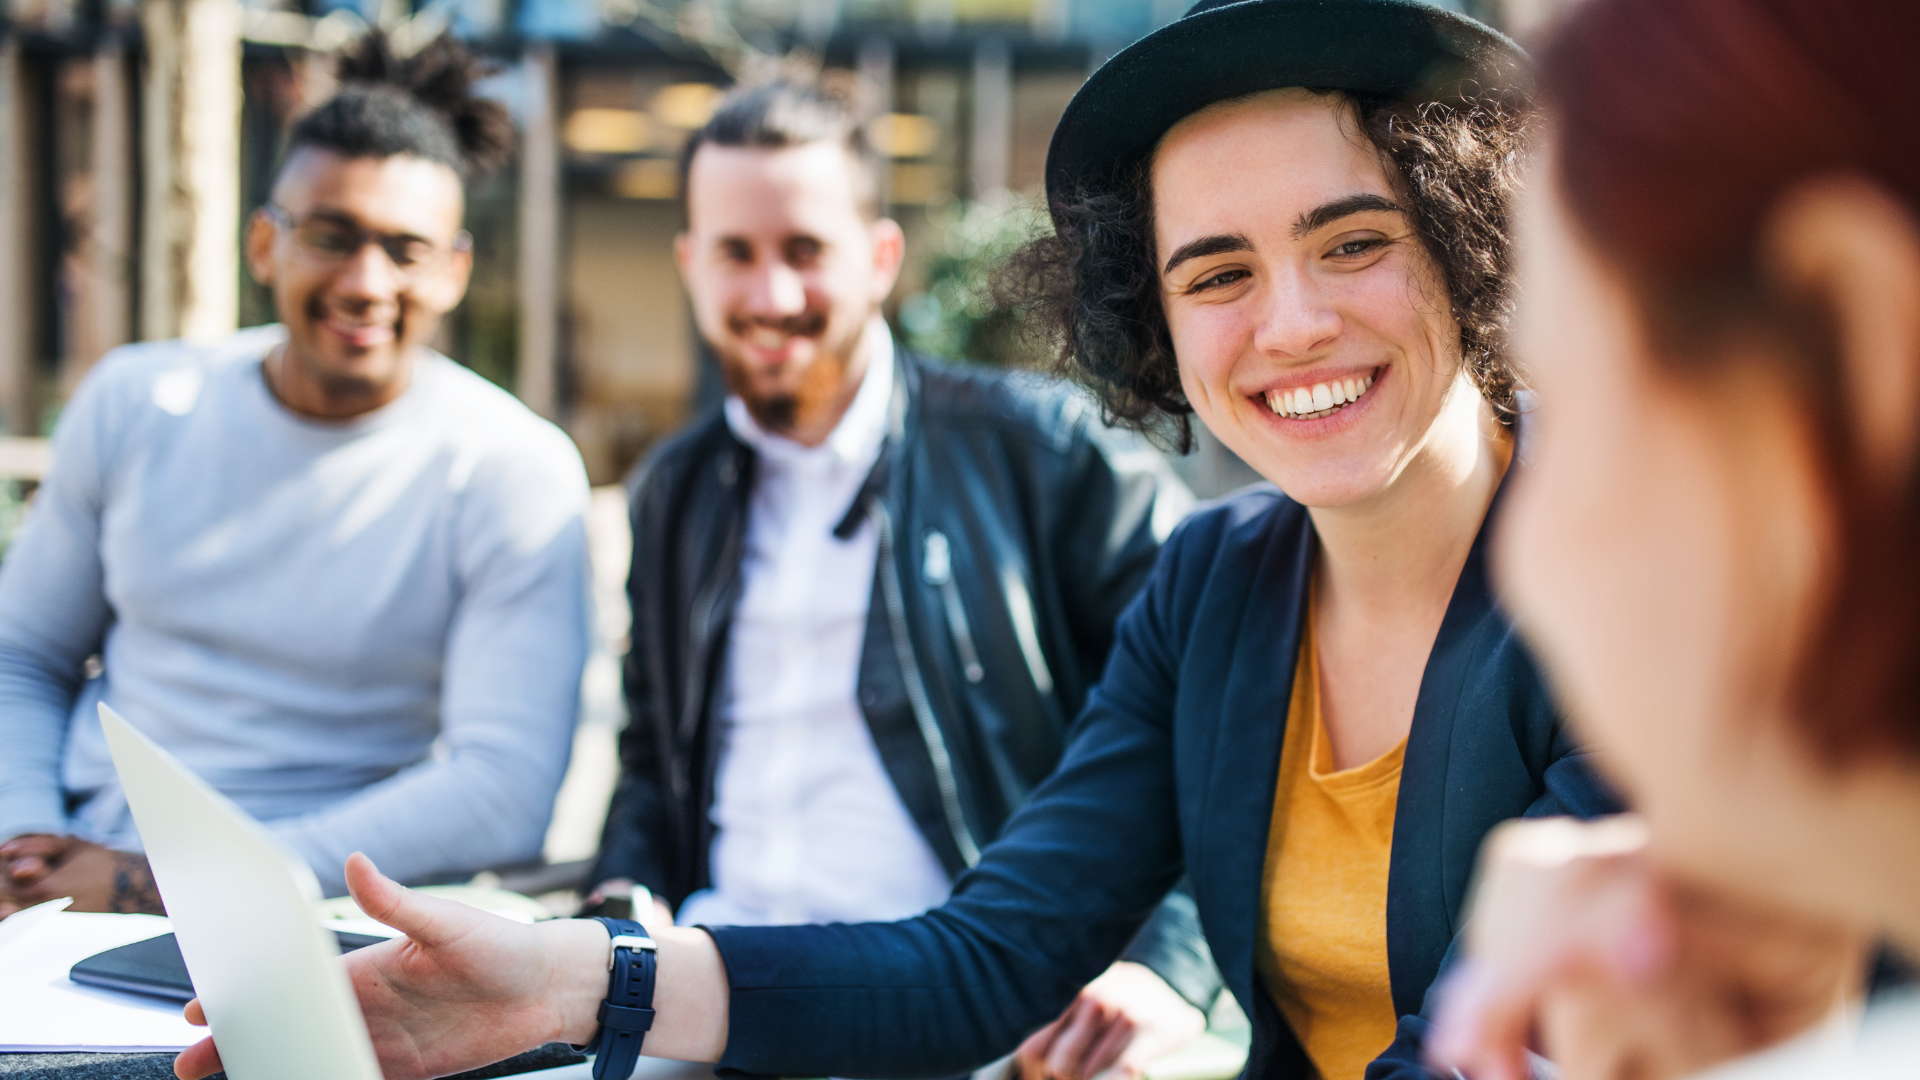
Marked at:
<point>1253,722</point>
<point>905,397</point>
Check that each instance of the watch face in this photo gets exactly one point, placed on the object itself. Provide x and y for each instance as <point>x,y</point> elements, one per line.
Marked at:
<point>611,907</point>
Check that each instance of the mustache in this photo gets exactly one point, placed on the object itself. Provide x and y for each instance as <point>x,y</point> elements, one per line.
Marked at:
<point>805,324</point>
<point>318,309</point>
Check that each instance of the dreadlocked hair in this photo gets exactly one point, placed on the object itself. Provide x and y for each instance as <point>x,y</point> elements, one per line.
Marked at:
<point>421,105</point>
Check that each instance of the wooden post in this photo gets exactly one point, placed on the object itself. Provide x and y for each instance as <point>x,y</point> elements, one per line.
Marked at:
<point>992,119</point>
<point>540,270</point>
<point>190,229</point>
<point>110,303</point>
<point>17,397</point>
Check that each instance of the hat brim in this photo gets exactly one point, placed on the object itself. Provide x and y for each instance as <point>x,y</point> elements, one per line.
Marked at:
<point>1395,48</point>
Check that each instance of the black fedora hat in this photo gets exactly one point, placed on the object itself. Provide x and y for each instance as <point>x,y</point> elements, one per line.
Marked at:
<point>1223,49</point>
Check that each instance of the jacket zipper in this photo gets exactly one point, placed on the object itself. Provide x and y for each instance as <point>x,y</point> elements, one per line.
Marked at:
<point>917,691</point>
<point>938,572</point>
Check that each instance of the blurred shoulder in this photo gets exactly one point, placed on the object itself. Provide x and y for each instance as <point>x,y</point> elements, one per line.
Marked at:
<point>1046,411</point>
<point>493,424</point>
<point>169,375</point>
<point>668,463</point>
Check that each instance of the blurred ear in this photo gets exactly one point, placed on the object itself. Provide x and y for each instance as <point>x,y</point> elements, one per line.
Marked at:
<point>460,274</point>
<point>889,252</point>
<point>1855,248</point>
<point>683,252</point>
<point>261,233</point>
<point>442,292</point>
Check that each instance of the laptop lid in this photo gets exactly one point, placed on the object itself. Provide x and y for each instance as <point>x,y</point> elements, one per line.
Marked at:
<point>243,910</point>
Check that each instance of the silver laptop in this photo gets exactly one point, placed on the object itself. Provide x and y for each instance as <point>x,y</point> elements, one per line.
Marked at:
<point>243,909</point>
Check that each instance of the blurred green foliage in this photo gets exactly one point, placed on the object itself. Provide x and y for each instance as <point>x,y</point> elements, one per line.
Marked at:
<point>958,316</point>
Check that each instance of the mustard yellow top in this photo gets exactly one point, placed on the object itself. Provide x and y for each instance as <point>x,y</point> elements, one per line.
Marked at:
<point>1323,896</point>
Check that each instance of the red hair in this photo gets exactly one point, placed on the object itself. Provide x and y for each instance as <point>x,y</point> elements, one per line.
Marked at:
<point>1679,123</point>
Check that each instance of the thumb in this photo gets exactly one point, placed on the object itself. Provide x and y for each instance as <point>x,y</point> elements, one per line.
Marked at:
<point>428,920</point>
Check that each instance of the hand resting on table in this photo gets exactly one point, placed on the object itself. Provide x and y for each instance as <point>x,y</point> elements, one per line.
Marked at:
<point>39,867</point>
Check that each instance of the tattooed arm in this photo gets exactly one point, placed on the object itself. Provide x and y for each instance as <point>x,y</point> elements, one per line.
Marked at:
<point>40,867</point>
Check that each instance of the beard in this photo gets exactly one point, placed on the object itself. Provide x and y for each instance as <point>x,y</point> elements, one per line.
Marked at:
<point>820,386</point>
<point>775,413</point>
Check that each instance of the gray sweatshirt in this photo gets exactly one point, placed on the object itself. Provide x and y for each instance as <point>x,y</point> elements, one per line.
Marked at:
<point>368,634</point>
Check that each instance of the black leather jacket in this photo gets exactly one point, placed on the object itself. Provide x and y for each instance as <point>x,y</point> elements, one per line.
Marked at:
<point>1013,529</point>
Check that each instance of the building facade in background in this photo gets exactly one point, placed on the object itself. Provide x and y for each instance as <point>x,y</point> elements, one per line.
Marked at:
<point>136,135</point>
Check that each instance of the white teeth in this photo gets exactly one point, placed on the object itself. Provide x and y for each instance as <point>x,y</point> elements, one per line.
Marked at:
<point>1321,398</point>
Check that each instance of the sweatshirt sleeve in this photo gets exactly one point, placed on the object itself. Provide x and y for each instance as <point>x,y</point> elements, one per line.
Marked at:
<point>510,691</point>
<point>53,614</point>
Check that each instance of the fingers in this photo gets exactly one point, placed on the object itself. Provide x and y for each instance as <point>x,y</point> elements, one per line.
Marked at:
<point>1086,1021</point>
<point>1031,1058</point>
<point>427,920</point>
<point>1556,901</point>
<point>28,859</point>
<point>195,1013</point>
<point>28,869</point>
<point>662,914</point>
<point>1110,1051</point>
<point>196,1061</point>
<point>1478,1032</point>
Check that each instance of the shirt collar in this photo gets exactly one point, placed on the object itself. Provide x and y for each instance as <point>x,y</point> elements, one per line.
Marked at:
<point>856,439</point>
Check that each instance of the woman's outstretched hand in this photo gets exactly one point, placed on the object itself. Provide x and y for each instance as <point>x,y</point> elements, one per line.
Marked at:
<point>1582,948</point>
<point>465,989</point>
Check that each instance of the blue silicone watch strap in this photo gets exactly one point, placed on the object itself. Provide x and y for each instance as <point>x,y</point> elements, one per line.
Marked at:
<point>627,1013</point>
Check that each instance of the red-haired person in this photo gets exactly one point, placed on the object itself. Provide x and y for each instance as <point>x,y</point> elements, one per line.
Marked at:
<point>1714,548</point>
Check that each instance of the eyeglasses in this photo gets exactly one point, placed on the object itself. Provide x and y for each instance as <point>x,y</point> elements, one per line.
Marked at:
<point>331,240</point>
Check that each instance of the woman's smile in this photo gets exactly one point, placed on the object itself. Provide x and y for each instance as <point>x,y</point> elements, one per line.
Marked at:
<point>1319,398</point>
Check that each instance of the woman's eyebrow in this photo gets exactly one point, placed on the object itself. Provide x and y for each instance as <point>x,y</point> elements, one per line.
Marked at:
<point>1329,212</point>
<point>1217,244</point>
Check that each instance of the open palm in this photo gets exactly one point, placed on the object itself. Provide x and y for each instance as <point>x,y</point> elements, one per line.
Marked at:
<point>463,988</point>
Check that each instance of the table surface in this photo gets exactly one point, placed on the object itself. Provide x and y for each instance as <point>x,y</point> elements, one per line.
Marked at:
<point>160,1066</point>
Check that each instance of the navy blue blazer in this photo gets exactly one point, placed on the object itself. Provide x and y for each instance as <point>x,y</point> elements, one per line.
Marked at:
<point>1170,771</point>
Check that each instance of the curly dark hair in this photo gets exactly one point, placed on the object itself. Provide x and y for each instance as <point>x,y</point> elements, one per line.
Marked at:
<point>421,105</point>
<point>1092,288</point>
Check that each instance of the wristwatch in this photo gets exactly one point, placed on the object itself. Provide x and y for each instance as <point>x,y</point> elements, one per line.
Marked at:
<point>627,1012</point>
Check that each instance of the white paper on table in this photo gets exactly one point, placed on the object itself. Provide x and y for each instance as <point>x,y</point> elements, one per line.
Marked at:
<point>43,1010</point>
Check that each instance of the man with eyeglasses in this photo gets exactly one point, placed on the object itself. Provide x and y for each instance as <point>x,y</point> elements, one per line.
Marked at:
<point>337,574</point>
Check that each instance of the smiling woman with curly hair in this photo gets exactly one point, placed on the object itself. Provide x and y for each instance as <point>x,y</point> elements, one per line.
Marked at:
<point>1092,286</point>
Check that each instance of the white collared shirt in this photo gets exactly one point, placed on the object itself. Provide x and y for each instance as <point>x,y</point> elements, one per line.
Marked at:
<point>810,827</point>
